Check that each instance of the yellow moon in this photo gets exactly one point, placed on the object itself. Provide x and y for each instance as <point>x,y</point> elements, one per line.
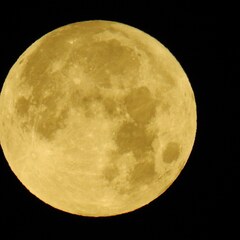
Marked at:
<point>97,118</point>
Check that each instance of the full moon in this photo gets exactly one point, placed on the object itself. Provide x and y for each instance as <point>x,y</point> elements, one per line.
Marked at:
<point>97,118</point>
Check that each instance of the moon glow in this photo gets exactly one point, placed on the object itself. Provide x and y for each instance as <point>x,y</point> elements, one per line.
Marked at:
<point>97,118</point>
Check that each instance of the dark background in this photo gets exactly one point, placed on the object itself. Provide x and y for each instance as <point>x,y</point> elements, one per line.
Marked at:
<point>202,202</point>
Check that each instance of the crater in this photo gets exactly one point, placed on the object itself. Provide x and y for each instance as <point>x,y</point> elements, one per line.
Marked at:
<point>21,61</point>
<point>140,105</point>
<point>171,152</point>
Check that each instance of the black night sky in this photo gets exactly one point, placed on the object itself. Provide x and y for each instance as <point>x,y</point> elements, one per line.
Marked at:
<point>202,201</point>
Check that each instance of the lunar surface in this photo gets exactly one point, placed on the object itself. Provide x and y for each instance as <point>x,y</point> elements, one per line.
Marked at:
<point>97,118</point>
